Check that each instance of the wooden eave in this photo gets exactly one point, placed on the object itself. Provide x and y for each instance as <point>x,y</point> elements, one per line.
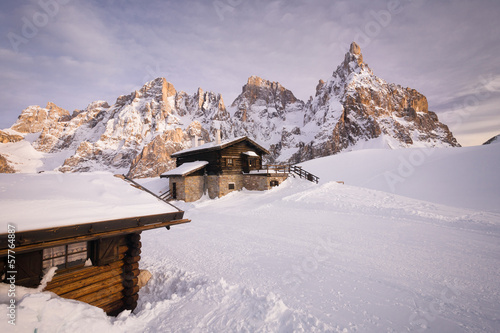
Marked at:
<point>37,239</point>
<point>220,147</point>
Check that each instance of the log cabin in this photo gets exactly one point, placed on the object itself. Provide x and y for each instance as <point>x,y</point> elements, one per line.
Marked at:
<point>87,225</point>
<point>220,167</point>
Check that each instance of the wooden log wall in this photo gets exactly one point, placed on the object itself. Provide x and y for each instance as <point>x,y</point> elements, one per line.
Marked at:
<point>131,271</point>
<point>112,287</point>
<point>239,162</point>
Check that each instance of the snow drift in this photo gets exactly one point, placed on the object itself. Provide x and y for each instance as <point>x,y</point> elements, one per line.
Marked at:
<point>319,258</point>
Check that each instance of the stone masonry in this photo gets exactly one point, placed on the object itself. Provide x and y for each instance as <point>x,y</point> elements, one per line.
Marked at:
<point>192,188</point>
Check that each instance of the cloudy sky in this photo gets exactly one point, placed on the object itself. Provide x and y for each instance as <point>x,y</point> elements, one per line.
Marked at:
<point>73,52</point>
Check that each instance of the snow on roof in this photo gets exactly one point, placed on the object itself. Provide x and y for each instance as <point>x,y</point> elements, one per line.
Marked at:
<point>186,168</point>
<point>210,145</point>
<point>214,146</point>
<point>47,200</point>
<point>251,153</point>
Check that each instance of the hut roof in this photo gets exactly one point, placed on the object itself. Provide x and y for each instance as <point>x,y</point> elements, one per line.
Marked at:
<point>185,169</point>
<point>213,146</point>
<point>48,200</point>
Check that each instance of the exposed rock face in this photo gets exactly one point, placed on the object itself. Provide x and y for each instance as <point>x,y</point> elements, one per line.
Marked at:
<point>354,106</point>
<point>154,159</point>
<point>5,167</point>
<point>495,139</point>
<point>138,133</point>
<point>6,138</point>
<point>268,112</point>
<point>134,128</point>
<point>34,119</point>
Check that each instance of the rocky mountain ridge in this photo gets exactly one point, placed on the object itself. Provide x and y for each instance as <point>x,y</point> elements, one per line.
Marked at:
<point>138,133</point>
<point>495,139</point>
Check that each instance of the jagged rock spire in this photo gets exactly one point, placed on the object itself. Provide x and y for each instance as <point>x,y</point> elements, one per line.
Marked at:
<point>355,49</point>
<point>353,62</point>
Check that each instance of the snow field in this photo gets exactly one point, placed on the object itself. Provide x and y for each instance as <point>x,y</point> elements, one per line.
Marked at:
<point>348,267</point>
<point>460,177</point>
<point>318,258</point>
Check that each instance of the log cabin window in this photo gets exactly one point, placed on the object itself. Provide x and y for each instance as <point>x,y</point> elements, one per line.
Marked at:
<point>229,162</point>
<point>231,186</point>
<point>65,256</point>
<point>274,183</point>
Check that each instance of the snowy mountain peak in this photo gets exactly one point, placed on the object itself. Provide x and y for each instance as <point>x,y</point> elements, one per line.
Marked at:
<point>352,109</point>
<point>354,54</point>
<point>158,85</point>
<point>260,82</point>
<point>34,118</point>
<point>355,49</point>
<point>262,99</point>
<point>353,64</point>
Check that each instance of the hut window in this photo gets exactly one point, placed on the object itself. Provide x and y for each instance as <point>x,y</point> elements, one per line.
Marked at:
<point>231,186</point>
<point>65,256</point>
<point>229,161</point>
<point>274,183</point>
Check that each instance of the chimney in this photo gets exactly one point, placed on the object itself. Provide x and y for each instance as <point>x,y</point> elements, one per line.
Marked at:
<point>217,137</point>
<point>195,142</point>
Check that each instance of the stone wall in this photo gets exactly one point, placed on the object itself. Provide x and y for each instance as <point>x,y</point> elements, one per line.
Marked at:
<point>225,180</point>
<point>194,187</point>
<point>213,186</point>
<point>262,182</point>
<point>180,186</point>
<point>191,188</point>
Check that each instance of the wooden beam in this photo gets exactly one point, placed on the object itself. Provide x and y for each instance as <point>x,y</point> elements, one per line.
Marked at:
<point>130,267</point>
<point>89,237</point>
<point>130,283</point>
<point>131,260</point>
<point>88,229</point>
<point>92,286</point>
<point>102,302</point>
<point>82,273</point>
<point>93,282</point>
<point>131,291</point>
<point>113,309</point>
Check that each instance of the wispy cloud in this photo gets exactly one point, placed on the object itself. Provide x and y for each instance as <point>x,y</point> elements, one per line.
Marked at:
<point>101,49</point>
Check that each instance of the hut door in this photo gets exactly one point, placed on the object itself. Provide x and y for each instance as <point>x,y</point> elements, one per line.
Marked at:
<point>174,190</point>
<point>252,164</point>
<point>247,164</point>
<point>107,250</point>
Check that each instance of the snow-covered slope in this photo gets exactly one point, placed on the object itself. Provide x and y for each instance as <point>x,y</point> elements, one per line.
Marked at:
<point>460,177</point>
<point>304,257</point>
<point>139,132</point>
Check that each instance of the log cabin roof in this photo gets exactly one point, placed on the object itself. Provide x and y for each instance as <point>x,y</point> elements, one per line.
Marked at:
<point>213,146</point>
<point>48,200</point>
<point>50,207</point>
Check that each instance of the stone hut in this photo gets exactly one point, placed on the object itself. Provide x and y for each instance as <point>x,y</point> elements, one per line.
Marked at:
<point>218,168</point>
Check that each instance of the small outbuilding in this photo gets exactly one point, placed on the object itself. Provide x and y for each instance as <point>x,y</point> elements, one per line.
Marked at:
<point>87,225</point>
<point>220,167</point>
